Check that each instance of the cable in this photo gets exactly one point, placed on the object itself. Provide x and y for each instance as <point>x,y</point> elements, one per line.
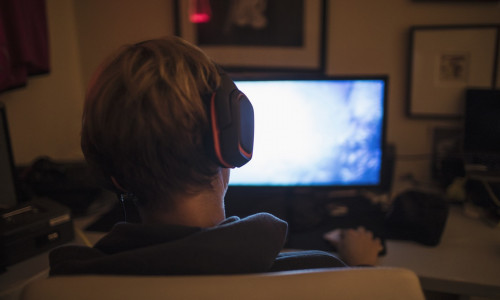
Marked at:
<point>84,238</point>
<point>123,198</point>
<point>490,192</point>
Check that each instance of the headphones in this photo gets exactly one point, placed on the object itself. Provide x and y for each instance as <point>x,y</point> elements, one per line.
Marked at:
<point>232,125</point>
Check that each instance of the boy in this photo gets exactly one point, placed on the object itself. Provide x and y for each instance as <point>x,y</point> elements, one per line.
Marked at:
<point>147,126</point>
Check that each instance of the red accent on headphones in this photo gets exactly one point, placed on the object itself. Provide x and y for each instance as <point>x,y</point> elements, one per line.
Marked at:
<point>215,135</point>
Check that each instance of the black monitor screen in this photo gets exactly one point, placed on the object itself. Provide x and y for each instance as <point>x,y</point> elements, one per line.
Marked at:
<point>315,132</point>
<point>482,126</point>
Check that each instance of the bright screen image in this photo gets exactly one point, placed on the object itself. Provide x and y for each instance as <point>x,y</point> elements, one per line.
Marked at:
<point>314,133</point>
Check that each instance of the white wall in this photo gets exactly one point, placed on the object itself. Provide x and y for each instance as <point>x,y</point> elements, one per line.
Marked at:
<point>364,37</point>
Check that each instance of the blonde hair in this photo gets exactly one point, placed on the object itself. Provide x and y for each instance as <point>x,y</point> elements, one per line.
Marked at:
<point>145,119</point>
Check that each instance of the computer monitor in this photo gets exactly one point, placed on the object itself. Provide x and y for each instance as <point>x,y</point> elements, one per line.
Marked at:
<point>8,197</point>
<point>481,143</point>
<point>318,133</point>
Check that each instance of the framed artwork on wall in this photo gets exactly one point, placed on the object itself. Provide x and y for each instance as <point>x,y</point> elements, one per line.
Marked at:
<point>446,60</point>
<point>259,35</point>
<point>456,1</point>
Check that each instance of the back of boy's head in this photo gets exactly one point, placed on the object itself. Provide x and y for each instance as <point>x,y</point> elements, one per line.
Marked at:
<point>145,119</point>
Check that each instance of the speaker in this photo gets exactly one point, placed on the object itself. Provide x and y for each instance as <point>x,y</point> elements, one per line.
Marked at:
<point>417,216</point>
<point>232,125</point>
<point>388,165</point>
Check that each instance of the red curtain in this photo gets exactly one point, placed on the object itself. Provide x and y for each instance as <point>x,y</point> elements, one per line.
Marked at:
<point>24,42</point>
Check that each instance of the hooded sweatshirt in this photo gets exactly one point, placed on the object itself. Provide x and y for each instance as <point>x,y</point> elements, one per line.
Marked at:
<point>236,246</point>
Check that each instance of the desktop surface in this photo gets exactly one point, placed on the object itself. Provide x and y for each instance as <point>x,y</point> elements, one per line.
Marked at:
<point>466,262</point>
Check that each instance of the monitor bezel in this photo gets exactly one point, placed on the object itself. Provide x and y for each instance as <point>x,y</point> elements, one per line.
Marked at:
<point>9,150</point>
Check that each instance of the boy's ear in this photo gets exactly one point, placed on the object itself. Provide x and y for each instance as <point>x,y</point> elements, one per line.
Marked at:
<point>117,185</point>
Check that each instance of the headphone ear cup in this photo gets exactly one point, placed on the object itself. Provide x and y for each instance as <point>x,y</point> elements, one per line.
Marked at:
<point>232,125</point>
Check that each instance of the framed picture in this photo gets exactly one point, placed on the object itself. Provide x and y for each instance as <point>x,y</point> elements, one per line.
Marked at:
<point>446,60</point>
<point>259,35</point>
<point>456,1</point>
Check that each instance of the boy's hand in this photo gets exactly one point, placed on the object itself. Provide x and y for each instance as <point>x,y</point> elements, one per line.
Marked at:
<point>356,247</point>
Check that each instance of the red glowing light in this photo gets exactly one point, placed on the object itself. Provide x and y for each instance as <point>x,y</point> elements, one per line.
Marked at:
<point>199,18</point>
<point>199,11</point>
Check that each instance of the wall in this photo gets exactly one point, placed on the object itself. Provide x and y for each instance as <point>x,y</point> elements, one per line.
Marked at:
<point>44,117</point>
<point>364,37</point>
<point>103,26</point>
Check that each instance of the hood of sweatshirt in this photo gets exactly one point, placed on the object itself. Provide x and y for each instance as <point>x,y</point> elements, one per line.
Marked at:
<point>236,245</point>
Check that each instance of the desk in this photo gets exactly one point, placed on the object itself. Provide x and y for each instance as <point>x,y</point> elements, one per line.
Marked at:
<point>466,262</point>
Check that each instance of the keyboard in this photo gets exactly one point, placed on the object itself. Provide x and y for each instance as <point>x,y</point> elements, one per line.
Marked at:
<point>309,222</point>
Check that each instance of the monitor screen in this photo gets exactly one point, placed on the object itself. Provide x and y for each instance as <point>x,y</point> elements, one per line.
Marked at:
<point>482,127</point>
<point>315,132</point>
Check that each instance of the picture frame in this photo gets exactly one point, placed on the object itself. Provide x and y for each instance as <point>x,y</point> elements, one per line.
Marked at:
<point>456,1</point>
<point>270,41</point>
<point>446,60</point>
